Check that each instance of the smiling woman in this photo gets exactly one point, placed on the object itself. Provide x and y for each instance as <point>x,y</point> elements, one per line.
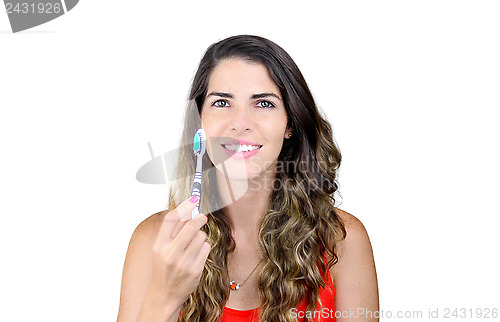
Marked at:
<point>243,104</point>
<point>272,246</point>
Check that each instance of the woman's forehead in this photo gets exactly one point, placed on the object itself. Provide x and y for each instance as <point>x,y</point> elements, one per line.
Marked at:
<point>239,76</point>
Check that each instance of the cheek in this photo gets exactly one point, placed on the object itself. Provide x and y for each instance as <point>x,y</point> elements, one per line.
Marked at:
<point>276,131</point>
<point>209,144</point>
<point>211,132</point>
<point>208,121</point>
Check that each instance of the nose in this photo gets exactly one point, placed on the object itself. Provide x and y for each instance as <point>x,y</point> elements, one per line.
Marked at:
<point>242,120</point>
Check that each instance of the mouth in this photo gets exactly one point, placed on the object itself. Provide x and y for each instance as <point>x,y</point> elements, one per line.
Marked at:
<point>241,151</point>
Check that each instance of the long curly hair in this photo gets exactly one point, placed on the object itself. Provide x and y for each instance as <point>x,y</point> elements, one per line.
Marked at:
<point>301,222</point>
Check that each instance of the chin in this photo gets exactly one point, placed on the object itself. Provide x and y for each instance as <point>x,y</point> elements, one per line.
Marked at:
<point>236,173</point>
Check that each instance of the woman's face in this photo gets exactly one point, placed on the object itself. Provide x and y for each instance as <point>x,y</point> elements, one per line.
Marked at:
<point>244,119</point>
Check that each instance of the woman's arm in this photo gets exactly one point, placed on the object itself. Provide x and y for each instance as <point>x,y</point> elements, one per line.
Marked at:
<point>138,301</point>
<point>163,266</point>
<point>355,277</point>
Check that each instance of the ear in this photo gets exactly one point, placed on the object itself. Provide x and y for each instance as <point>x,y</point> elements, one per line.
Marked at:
<point>288,133</point>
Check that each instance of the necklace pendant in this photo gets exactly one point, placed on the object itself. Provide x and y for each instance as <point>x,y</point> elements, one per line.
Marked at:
<point>233,285</point>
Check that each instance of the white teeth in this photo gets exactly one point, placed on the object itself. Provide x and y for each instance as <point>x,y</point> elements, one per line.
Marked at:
<point>241,148</point>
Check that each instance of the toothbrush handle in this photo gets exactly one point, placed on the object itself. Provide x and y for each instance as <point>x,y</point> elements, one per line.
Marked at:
<point>196,191</point>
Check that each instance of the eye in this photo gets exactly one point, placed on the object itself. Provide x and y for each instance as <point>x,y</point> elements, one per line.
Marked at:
<point>220,103</point>
<point>266,104</point>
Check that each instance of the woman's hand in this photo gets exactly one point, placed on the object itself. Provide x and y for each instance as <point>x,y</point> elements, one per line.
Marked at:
<point>179,254</point>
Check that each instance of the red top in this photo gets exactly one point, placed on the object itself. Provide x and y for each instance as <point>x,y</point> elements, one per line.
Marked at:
<point>326,295</point>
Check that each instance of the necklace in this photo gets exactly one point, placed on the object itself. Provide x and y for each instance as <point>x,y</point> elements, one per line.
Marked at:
<point>235,286</point>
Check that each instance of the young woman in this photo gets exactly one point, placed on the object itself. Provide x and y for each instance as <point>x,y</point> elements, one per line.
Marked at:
<point>269,244</point>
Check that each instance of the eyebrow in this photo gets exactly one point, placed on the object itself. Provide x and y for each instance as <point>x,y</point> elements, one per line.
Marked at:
<point>254,96</point>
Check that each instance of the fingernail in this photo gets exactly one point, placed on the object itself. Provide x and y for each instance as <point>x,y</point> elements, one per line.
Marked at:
<point>193,199</point>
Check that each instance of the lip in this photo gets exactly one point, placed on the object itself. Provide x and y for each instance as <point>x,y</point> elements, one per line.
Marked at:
<point>239,142</point>
<point>240,155</point>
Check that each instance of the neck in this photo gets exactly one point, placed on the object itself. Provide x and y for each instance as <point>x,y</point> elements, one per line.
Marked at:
<point>247,201</point>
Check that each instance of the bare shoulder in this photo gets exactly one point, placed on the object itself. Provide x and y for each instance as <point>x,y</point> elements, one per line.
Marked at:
<point>354,275</point>
<point>137,268</point>
<point>355,229</point>
<point>356,243</point>
<point>147,231</point>
<point>151,225</point>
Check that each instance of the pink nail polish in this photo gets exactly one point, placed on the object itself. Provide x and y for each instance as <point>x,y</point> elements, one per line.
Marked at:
<point>193,199</point>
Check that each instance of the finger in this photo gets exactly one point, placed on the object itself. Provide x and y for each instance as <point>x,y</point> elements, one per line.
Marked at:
<point>194,246</point>
<point>187,233</point>
<point>178,228</point>
<point>202,255</point>
<point>170,221</point>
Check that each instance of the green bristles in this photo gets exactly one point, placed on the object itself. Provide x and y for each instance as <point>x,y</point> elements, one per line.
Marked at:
<point>196,143</point>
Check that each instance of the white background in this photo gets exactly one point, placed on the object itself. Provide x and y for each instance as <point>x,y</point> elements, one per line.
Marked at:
<point>411,89</point>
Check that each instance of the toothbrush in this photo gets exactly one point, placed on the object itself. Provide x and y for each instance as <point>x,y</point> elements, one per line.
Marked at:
<point>199,147</point>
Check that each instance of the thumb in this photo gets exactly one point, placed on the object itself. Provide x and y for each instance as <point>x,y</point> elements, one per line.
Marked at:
<point>184,209</point>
